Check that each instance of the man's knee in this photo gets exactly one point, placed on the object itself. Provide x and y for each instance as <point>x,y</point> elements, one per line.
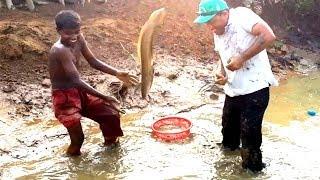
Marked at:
<point>108,119</point>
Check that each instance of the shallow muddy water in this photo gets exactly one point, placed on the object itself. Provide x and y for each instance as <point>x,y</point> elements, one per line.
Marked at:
<point>33,148</point>
<point>293,99</point>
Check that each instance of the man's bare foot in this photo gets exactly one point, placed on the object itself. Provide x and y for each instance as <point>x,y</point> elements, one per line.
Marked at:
<point>73,151</point>
<point>111,142</point>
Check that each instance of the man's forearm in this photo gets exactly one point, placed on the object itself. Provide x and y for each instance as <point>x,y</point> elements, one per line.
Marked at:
<point>261,43</point>
<point>99,65</point>
<point>85,86</point>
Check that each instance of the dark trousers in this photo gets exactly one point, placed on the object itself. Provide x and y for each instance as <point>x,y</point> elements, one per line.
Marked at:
<point>242,119</point>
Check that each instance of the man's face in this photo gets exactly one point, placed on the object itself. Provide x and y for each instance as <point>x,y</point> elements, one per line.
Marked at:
<point>218,23</point>
<point>70,36</point>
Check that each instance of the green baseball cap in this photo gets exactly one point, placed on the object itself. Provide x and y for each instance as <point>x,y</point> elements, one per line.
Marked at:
<point>208,9</point>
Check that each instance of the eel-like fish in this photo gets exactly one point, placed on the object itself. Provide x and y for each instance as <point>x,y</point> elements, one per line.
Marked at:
<point>145,50</point>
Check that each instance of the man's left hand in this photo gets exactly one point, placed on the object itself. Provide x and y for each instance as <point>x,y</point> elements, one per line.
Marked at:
<point>127,79</point>
<point>235,63</point>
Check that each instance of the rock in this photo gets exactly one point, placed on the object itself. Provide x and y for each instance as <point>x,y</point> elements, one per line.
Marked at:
<point>275,69</point>
<point>46,83</point>
<point>285,48</point>
<point>100,80</point>
<point>272,50</point>
<point>295,57</point>
<point>8,89</point>
<point>305,62</point>
<point>157,74</point>
<point>213,96</point>
<point>92,83</point>
<point>217,89</point>
<point>172,76</point>
<point>165,93</point>
<point>27,99</point>
<point>187,51</point>
<point>16,100</point>
<point>33,111</point>
<point>160,52</point>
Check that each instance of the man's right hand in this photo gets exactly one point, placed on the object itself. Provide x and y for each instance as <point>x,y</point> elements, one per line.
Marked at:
<point>220,79</point>
<point>127,79</point>
<point>112,101</point>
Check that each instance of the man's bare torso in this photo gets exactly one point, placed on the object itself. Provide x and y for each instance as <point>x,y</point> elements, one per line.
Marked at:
<point>59,78</point>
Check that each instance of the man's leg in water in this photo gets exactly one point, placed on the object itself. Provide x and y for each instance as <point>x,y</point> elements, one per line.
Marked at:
<point>77,138</point>
<point>106,115</point>
<point>108,126</point>
<point>254,105</point>
<point>231,124</point>
<point>67,107</point>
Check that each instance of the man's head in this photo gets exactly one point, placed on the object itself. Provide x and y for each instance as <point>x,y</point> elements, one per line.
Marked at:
<point>214,13</point>
<point>68,25</point>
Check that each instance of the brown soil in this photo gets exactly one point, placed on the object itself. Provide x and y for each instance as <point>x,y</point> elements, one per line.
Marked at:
<point>111,29</point>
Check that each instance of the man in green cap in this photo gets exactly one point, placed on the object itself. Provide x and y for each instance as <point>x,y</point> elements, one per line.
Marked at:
<point>240,38</point>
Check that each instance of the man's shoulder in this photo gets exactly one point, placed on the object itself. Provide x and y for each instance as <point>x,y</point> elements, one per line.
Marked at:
<point>58,48</point>
<point>242,13</point>
<point>242,9</point>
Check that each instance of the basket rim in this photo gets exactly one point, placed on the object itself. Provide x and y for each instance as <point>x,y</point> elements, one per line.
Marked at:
<point>169,117</point>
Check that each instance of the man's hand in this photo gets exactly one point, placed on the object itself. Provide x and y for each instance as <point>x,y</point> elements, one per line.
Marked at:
<point>113,101</point>
<point>220,79</point>
<point>235,63</point>
<point>127,79</point>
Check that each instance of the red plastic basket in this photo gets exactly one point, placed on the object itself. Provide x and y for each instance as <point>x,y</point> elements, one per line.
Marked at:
<point>172,128</point>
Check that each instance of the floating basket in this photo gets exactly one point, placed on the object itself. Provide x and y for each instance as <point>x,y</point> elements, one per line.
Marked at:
<point>171,128</point>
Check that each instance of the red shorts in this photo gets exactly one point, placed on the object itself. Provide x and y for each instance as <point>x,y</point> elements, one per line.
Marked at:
<point>71,104</point>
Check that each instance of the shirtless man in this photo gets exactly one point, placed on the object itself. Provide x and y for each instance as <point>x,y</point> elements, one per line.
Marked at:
<point>74,98</point>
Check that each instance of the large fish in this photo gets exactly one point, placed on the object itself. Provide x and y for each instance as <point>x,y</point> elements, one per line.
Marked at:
<point>145,50</point>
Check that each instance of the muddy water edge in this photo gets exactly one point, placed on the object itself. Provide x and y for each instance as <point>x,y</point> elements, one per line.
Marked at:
<point>32,142</point>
